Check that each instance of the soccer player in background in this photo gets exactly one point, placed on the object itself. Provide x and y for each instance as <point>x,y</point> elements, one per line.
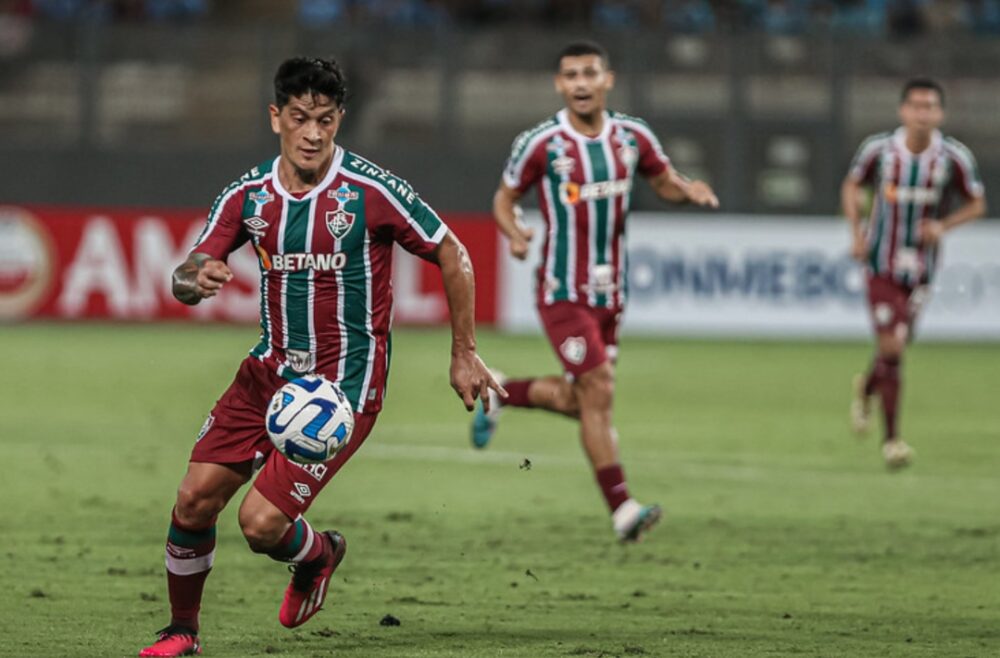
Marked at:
<point>583,160</point>
<point>322,221</point>
<point>924,184</point>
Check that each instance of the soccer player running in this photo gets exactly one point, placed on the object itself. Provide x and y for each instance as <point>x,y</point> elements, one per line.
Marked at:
<point>583,161</point>
<point>924,185</point>
<point>322,221</point>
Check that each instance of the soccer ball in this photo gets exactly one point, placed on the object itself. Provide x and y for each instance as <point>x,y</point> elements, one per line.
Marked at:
<point>309,420</point>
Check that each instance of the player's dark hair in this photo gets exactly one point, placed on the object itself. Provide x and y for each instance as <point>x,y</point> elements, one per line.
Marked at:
<point>922,83</point>
<point>300,76</point>
<point>580,48</point>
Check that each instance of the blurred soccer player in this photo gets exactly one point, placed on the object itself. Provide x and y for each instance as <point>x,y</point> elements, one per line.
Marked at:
<point>924,184</point>
<point>322,222</point>
<point>584,160</point>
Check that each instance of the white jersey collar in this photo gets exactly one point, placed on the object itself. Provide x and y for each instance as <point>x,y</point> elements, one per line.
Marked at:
<point>899,139</point>
<point>338,157</point>
<point>563,116</point>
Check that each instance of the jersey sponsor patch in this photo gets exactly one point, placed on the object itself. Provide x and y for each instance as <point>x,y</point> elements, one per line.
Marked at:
<point>570,192</point>
<point>299,262</point>
<point>906,194</point>
<point>318,471</point>
<point>261,197</point>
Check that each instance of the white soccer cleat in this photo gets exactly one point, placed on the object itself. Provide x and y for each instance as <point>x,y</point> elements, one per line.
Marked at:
<point>897,453</point>
<point>861,407</point>
<point>632,520</point>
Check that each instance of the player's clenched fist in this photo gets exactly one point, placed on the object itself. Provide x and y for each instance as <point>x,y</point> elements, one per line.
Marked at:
<point>199,277</point>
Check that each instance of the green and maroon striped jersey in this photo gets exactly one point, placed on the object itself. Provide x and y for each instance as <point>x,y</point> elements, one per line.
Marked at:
<point>584,188</point>
<point>910,188</point>
<point>326,266</point>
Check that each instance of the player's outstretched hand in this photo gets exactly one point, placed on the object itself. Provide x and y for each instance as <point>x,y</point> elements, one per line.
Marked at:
<point>699,193</point>
<point>471,379</point>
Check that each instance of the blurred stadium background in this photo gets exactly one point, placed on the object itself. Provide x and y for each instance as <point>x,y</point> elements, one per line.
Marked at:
<point>121,120</point>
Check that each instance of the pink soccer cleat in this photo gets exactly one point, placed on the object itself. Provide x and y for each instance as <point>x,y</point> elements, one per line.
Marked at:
<point>307,591</point>
<point>174,641</point>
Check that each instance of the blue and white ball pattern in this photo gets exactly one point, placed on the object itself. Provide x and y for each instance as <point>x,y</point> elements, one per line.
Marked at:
<point>309,420</point>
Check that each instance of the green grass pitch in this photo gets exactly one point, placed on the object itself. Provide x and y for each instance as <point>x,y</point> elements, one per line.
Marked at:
<point>783,534</point>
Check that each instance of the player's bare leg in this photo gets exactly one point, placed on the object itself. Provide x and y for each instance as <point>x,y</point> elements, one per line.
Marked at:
<point>861,405</point>
<point>204,492</point>
<point>594,391</point>
<point>314,556</point>
<point>552,393</point>
<point>886,380</point>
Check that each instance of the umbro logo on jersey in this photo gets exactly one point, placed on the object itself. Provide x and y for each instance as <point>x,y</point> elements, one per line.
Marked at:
<point>563,165</point>
<point>339,223</point>
<point>255,226</point>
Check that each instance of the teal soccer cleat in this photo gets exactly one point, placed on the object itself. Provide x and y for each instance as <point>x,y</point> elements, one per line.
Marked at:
<point>484,424</point>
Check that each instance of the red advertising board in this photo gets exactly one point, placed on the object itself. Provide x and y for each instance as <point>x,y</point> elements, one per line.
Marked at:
<point>115,263</point>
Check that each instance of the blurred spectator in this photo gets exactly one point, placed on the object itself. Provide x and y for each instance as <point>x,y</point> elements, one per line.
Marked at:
<point>616,14</point>
<point>859,17</point>
<point>403,12</point>
<point>784,17</point>
<point>852,17</point>
<point>15,27</point>
<point>175,10</point>
<point>322,12</point>
<point>688,16</point>
<point>982,16</point>
<point>905,18</point>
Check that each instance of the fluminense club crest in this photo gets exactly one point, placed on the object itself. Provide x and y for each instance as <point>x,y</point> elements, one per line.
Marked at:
<point>339,222</point>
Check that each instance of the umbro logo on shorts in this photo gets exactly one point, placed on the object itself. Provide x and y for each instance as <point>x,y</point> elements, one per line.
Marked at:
<point>301,492</point>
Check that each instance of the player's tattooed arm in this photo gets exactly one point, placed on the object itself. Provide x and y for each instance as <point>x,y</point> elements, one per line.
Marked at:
<point>469,375</point>
<point>678,188</point>
<point>198,277</point>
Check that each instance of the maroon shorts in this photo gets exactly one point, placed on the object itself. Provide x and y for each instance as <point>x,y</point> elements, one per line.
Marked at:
<point>894,306</point>
<point>583,337</point>
<point>234,433</point>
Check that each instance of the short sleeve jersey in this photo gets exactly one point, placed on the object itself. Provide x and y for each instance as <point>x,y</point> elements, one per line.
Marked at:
<point>584,187</point>
<point>326,266</point>
<point>910,188</point>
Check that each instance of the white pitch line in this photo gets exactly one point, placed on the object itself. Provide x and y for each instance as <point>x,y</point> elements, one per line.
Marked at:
<point>463,455</point>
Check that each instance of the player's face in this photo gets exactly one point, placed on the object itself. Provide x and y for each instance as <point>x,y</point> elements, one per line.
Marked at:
<point>307,125</point>
<point>921,110</point>
<point>584,83</point>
